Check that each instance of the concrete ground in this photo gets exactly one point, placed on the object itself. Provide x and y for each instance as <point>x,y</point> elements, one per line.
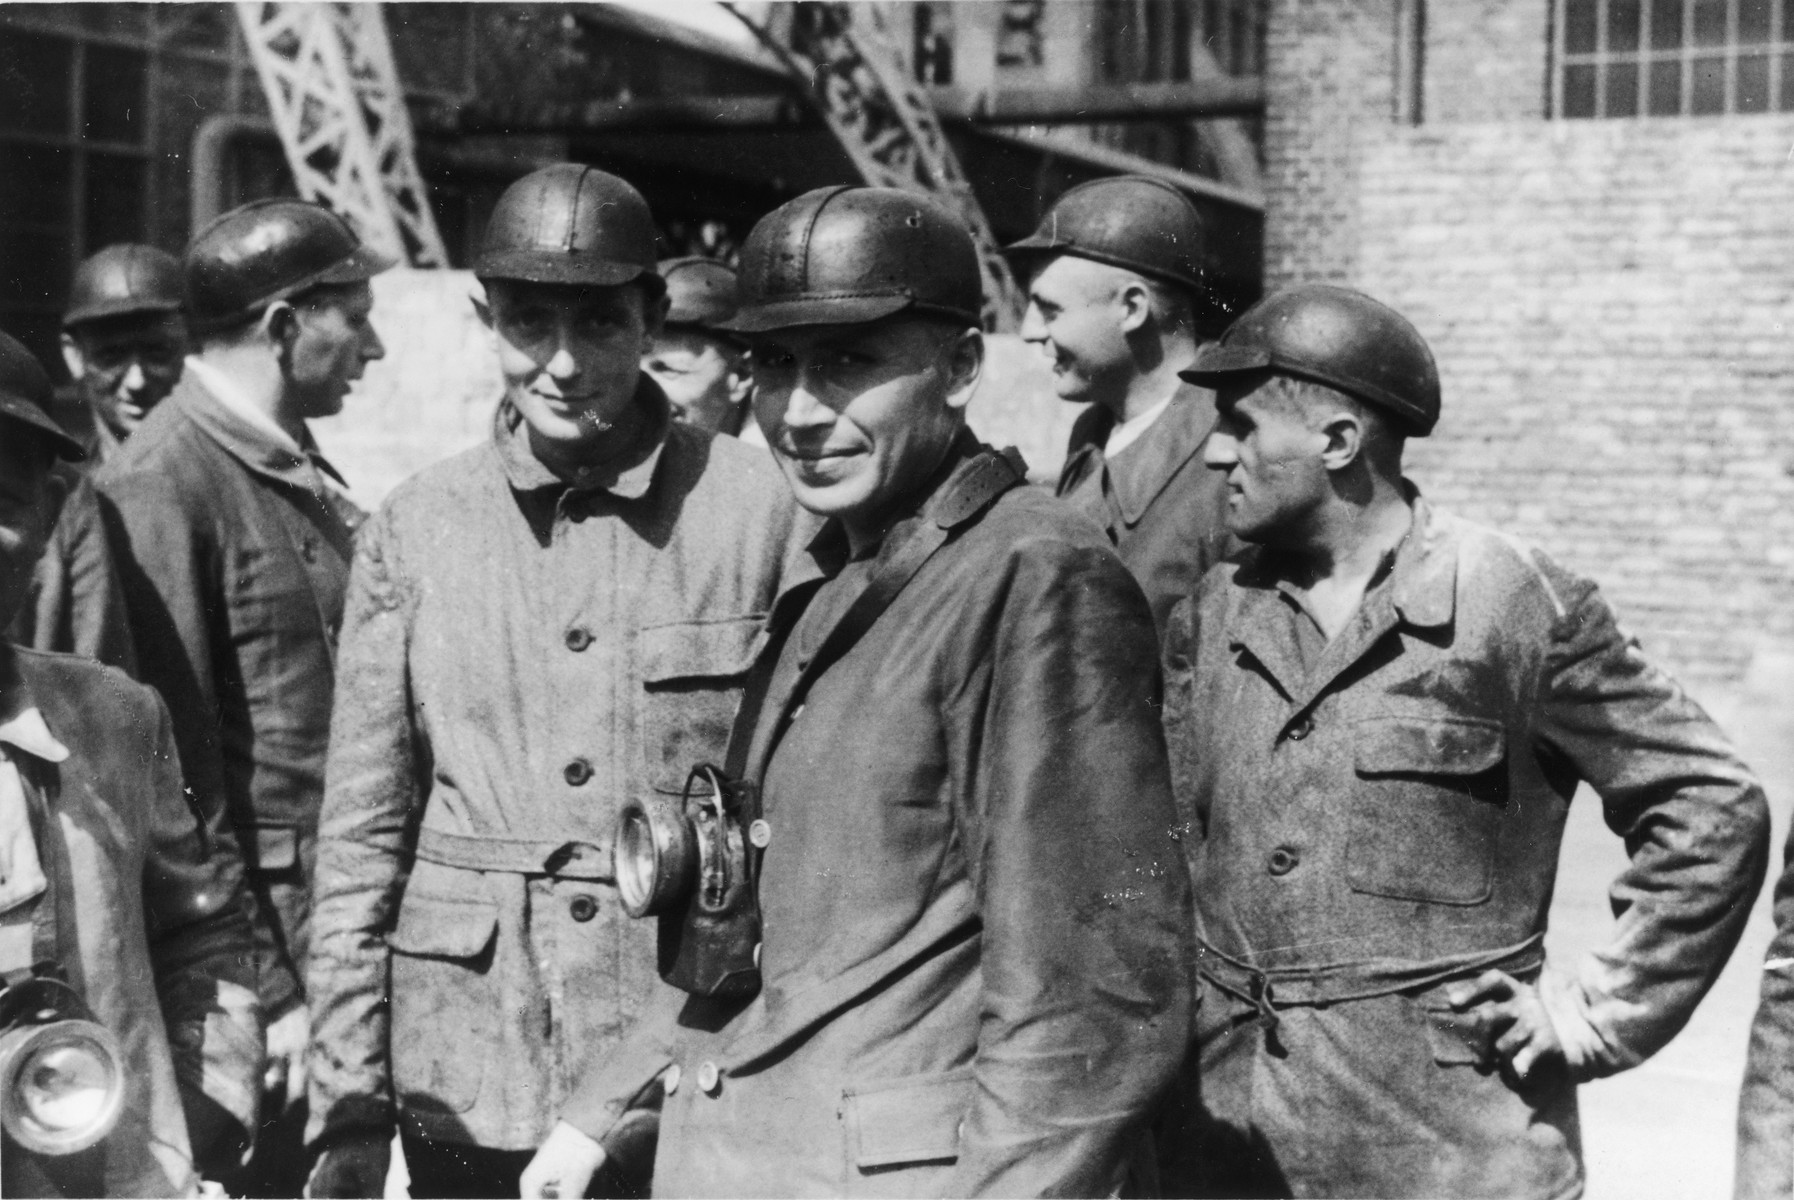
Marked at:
<point>1665,1130</point>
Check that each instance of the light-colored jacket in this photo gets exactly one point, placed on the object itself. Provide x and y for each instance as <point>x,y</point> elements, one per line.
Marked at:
<point>519,657</point>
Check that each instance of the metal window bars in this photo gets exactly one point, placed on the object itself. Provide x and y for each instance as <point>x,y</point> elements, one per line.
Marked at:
<point>1633,58</point>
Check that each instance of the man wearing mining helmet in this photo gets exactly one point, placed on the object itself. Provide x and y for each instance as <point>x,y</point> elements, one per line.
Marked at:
<point>1118,300</point>
<point>539,630</point>
<point>130,1042</point>
<point>968,974</point>
<point>701,366</point>
<point>1377,717</point>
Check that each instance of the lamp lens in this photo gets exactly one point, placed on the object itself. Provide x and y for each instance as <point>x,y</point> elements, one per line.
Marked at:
<point>67,1086</point>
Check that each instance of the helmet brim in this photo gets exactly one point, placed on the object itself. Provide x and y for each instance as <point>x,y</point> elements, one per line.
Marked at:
<point>23,409</point>
<point>1216,364</point>
<point>837,309</point>
<point>1038,249</point>
<point>122,306</point>
<point>559,266</point>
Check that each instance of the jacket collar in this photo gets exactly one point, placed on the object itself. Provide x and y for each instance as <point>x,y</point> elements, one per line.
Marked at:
<point>1142,470</point>
<point>22,725</point>
<point>1420,592</point>
<point>279,458</point>
<point>527,473</point>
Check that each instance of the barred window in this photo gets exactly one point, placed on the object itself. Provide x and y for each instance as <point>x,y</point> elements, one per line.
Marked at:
<point>1667,58</point>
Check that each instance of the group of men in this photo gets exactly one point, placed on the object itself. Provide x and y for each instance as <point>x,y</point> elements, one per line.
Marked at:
<point>1189,831</point>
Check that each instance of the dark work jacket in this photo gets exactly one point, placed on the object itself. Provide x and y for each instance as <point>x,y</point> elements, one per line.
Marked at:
<point>975,914</point>
<point>152,926</point>
<point>234,557</point>
<point>76,605</point>
<point>520,657</point>
<point>1385,814</point>
<point>1765,1168</point>
<point>1165,513</point>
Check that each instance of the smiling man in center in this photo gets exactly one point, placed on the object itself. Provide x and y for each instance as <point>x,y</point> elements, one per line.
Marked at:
<point>971,967</point>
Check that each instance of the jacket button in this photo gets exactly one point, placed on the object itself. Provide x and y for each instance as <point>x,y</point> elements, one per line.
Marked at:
<point>578,639</point>
<point>1301,729</point>
<point>708,1078</point>
<point>760,833</point>
<point>577,772</point>
<point>583,907</point>
<point>1282,861</point>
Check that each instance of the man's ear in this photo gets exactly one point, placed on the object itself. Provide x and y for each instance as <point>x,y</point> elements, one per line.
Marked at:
<point>72,358</point>
<point>1344,432</point>
<point>965,363</point>
<point>741,381</point>
<point>1134,299</point>
<point>279,324</point>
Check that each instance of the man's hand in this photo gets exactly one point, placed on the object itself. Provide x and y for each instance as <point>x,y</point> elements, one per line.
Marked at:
<point>353,1165</point>
<point>1512,1012</point>
<point>563,1167</point>
<point>285,1066</point>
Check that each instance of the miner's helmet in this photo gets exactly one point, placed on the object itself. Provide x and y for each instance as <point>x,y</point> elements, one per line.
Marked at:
<point>269,250</point>
<point>123,280</point>
<point>570,224</point>
<point>1134,221</point>
<point>1335,336</point>
<point>25,394</point>
<point>701,292</point>
<point>845,255</point>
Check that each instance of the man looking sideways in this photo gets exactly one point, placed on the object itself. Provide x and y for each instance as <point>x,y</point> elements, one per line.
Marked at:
<point>537,630</point>
<point>973,912</point>
<point>1117,299</point>
<point>1377,717</point>
<point>233,546</point>
<point>700,366</point>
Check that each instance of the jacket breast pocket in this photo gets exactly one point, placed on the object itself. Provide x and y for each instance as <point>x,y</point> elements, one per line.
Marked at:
<point>692,675</point>
<point>907,1122</point>
<point>444,998</point>
<point>1426,808</point>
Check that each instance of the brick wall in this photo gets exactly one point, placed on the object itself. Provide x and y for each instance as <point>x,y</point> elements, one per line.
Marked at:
<point>1610,302</point>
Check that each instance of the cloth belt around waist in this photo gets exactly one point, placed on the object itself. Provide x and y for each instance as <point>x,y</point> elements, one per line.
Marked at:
<point>585,858</point>
<point>1274,988</point>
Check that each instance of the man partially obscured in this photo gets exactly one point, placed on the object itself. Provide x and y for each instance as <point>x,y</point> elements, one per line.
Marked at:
<point>700,366</point>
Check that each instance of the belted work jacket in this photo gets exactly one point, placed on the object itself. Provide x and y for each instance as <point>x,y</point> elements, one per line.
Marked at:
<point>975,920</point>
<point>1165,513</point>
<point>1380,813</point>
<point>151,918</point>
<point>76,605</point>
<point>520,657</point>
<point>234,554</point>
<point>1765,1168</point>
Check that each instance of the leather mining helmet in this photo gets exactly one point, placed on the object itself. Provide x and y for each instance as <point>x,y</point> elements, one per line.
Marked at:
<point>572,224</point>
<point>1133,221</point>
<point>1335,336</point>
<point>844,255</point>
<point>701,292</point>
<point>269,250</point>
<point>122,280</point>
<point>25,395</point>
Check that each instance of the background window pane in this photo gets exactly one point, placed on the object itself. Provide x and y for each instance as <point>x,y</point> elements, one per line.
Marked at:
<point>1753,21</point>
<point>34,186</point>
<point>1579,91</point>
<point>1666,24</point>
<point>1787,99</point>
<point>114,88</point>
<point>1753,83</point>
<point>1666,89</point>
<point>1622,90</point>
<point>1579,26</point>
<point>114,200</point>
<point>34,269</point>
<point>1709,86</point>
<point>1709,22</point>
<point>1623,20</point>
<point>34,83</point>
